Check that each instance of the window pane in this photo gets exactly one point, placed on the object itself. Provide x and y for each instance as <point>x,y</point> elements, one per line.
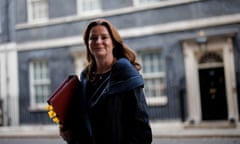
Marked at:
<point>89,5</point>
<point>39,9</point>
<point>41,81</point>
<point>154,74</point>
<point>152,62</point>
<point>154,87</point>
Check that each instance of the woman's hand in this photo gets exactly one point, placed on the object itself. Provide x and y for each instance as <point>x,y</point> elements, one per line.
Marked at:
<point>65,133</point>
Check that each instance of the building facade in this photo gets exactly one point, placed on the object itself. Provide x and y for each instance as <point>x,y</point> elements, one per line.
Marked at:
<point>189,51</point>
<point>9,93</point>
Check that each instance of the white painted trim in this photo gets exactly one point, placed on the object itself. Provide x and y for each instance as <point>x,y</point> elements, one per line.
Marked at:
<point>136,3</point>
<point>31,89</point>
<point>120,11</point>
<point>80,61</point>
<point>230,79</point>
<point>9,90</point>
<point>29,11</point>
<point>192,82</point>
<point>210,65</point>
<point>7,47</point>
<point>181,26</point>
<point>137,32</point>
<point>157,101</point>
<point>60,42</point>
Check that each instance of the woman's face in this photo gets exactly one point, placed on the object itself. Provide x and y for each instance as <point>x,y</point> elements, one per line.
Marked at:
<point>100,42</point>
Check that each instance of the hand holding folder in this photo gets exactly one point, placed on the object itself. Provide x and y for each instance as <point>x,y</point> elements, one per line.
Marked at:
<point>63,101</point>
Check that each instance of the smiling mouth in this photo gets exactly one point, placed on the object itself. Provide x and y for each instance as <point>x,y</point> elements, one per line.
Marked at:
<point>99,48</point>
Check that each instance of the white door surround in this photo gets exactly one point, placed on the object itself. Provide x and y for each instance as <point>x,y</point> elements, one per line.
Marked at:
<point>193,51</point>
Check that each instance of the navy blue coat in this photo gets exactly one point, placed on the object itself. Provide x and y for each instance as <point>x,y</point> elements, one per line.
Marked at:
<point>116,112</point>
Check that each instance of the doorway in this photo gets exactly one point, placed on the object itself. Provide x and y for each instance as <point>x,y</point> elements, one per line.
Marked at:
<point>213,94</point>
<point>210,80</point>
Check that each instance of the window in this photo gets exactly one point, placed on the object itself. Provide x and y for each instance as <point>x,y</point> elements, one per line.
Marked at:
<point>39,84</point>
<point>88,7</point>
<point>37,10</point>
<point>154,77</point>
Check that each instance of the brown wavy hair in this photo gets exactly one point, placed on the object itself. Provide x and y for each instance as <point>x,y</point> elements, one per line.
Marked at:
<point>121,50</point>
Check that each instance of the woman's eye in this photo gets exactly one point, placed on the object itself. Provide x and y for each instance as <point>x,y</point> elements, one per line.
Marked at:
<point>105,37</point>
<point>93,38</point>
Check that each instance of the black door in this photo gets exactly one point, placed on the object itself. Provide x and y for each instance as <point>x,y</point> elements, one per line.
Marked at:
<point>213,94</point>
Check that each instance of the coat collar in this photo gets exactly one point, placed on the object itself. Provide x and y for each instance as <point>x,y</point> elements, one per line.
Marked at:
<point>123,77</point>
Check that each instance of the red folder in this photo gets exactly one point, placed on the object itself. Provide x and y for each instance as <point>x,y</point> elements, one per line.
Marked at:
<point>64,99</point>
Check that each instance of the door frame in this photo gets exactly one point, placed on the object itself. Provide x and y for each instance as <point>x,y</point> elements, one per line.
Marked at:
<point>192,51</point>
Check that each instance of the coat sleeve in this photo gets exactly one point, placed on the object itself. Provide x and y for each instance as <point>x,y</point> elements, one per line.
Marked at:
<point>140,130</point>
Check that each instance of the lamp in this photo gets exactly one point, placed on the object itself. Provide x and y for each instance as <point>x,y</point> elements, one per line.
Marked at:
<point>202,40</point>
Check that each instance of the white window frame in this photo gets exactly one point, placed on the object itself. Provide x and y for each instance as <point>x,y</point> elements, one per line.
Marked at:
<point>34,106</point>
<point>81,11</point>
<point>157,100</point>
<point>30,12</point>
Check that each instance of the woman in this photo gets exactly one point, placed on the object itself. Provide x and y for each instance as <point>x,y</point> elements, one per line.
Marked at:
<point>115,110</point>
